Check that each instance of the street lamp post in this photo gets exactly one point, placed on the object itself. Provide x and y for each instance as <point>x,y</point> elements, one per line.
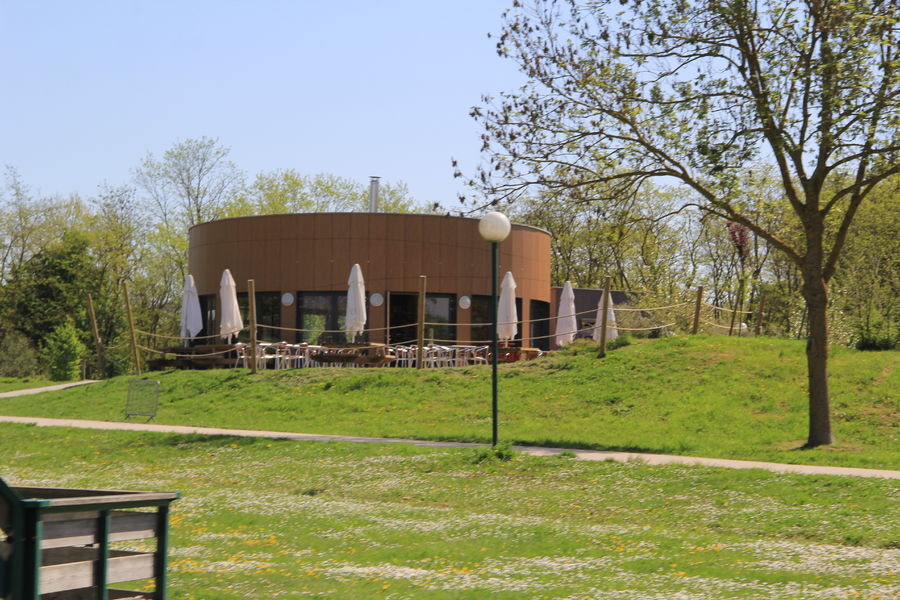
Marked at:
<point>494,227</point>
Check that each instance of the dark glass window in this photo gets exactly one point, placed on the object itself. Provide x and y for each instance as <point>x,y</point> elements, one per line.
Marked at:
<point>404,315</point>
<point>440,308</point>
<point>208,310</point>
<point>403,311</point>
<point>540,324</point>
<point>268,312</point>
<point>481,313</point>
<point>323,315</point>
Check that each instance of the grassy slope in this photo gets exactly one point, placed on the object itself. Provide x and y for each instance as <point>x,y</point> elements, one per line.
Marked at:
<point>264,519</point>
<point>704,396</point>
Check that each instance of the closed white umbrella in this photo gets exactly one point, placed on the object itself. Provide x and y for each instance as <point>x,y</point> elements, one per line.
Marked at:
<point>507,316</point>
<point>611,331</point>
<point>566,324</point>
<point>355,322</point>
<point>191,316</point>
<point>230,323</point>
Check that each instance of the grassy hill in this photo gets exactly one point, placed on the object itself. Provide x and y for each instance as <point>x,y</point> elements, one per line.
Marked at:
<point>703,396</point>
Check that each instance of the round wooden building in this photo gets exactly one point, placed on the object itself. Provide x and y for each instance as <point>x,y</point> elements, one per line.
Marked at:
<point>300,264</point>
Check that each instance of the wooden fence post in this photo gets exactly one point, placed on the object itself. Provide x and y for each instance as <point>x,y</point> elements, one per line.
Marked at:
<point>134,349</point>
<point>420,327</point>
<point>737,309</point>
<point>696,326</point>
<point>101,355</point>
<point>251,299</point>
<point>603,317</point>
<point>759,314</point>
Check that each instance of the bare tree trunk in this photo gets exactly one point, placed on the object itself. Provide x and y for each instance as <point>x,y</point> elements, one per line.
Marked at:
<point>815,292</point>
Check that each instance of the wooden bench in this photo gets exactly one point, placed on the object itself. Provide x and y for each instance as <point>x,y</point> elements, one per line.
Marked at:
<point>55,543</point>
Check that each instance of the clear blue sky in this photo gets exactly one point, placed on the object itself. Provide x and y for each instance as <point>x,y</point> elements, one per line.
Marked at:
<point>353,88</point>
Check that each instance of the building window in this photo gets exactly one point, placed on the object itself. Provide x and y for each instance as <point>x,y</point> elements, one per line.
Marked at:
<point>540,324</point>
<point>268,312</point>
<point>322,315</point>
<point>439,309</point>
<point>481,313</point>
<point>208,310</point>
<point>404,315</point>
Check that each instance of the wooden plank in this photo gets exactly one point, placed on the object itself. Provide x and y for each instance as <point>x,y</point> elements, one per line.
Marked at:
<point>71,497</point>
<point>43,492</point>
<point>82,531</point>
<point>73,568</point>
<point>91,594</point>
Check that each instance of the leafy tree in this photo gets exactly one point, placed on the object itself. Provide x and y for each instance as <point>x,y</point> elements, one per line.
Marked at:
<point>699,93</point>
<point>17,356</point>
<point>29,224</point>
<point>627,240</point>
<point>867,286</point>
<point>287,191</point>
<point>191,183</point>
<point>52,288</point>
<point>62,353</point>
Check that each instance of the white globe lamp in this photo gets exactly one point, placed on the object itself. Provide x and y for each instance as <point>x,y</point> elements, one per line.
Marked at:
<point>494,227</point>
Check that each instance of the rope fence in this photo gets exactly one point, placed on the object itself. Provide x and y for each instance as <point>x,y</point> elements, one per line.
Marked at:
<point>177,337</point>
<point>705,322</point>
<point>631,319</point>
<point>177,355</point>
<point>729,310</point>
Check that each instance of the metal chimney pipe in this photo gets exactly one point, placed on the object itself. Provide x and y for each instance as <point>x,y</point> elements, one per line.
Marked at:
<point>373,193</point>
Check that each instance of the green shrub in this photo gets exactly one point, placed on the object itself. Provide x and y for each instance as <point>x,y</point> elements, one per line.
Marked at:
<point>18,358</point>
<point>502,452</point>
<point>63,352</point>
<point>876,339</point>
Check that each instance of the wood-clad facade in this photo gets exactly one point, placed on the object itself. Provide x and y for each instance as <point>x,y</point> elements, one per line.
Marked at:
<point>310,255</point>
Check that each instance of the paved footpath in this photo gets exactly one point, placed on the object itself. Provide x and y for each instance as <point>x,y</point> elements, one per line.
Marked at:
<point>650,459</point>
<point>49,388</point>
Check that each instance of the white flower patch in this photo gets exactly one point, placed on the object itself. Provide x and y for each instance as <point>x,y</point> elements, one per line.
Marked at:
<point>821,558</point>
<point>444,579</point>
<point>232,566</point>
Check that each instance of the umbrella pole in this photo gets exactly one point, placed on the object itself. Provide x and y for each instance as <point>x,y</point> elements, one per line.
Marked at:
<point>603,317</point>
<point>495,250</point>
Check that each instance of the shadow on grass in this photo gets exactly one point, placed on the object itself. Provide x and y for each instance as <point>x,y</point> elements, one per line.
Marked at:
<point>191,440</point>
<point>564,444</point>
<point>555,443</point>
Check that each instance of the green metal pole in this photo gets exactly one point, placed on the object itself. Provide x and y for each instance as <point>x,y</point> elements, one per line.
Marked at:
<point>160,560</point>
<point>495,251</point>
<point>34,528</point>
<point>101,574</point>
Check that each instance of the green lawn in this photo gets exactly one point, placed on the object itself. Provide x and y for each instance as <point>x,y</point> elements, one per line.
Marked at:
<point>263,519</point>
<point>9,384</point>
<point>703,396</point>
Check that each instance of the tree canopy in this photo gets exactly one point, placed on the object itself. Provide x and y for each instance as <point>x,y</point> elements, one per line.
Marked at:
<point>700,93</point>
